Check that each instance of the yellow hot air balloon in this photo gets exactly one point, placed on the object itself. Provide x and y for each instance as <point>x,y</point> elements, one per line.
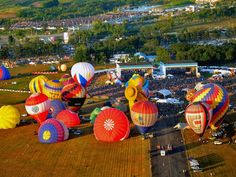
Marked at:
<point>36,85</point>
<point>9,117</point>
<point>63,67</point>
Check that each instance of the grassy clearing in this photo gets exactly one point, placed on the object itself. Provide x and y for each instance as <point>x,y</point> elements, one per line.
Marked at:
<point>214,159</point>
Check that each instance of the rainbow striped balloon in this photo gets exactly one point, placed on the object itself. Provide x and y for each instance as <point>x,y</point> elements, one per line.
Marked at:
<point>52,131</point>
<point>36,85</point>
<point>217,97</point>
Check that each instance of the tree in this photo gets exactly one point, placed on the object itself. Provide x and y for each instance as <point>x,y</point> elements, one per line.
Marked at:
<point>82,53</point>
<point>163,54</point>
<point>11,40</point>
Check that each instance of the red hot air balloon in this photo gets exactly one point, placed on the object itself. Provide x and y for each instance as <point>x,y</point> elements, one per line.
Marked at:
<point>144,115</point>
<point>38,105</point>
<point>198,116</point>
<point>111,125</point>
<point>69,118</point>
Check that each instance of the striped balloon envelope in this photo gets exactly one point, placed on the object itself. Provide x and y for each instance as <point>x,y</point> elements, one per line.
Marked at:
<point>36,85</point>
<point>4,73</point>
<point>53,89</point>
<point>144,115</point>
<point>82,73</point>
<point>217,97</point>
<point>198,115</point>
<point>111,125</point>
<point>66,79</point>
<point>52,131</point>
<point>69,118</point>
<point>56,107</point>
<point>38,105</point>
<point>74,94</point>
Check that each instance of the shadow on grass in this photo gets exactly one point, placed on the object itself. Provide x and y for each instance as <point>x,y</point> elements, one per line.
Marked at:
<point>192,145</point>
<point>210,161</point>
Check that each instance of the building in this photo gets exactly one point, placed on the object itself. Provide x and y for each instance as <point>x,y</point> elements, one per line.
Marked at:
<point>161,69</point>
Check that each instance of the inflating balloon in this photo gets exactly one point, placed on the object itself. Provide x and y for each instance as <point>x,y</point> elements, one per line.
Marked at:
<point>82,73</point>
<point>52,131</point>
<point>74,94</point>
<point>55,107</point>
<point>217,97</point>
<point>144,115</point>
<point>66,79</point>
<point>94,115</point>
<point>53,89</point>
<point>9,117</point>
<point>4,73</point>
<point>198,116</point>
<point>36,85</point>
<point>63,67</point>
<point>111,125</point>
<point>69,118</point>
<point>38,105</point>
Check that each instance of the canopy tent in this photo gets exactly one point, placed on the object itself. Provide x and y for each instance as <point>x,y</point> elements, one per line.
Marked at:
<point>164,92</point>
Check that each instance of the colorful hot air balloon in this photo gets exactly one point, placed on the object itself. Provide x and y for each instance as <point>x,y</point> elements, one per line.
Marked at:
<point>94,115</point>
<point>9,117</point>
<point>111,125</point>
<point>217,97</point>
<point>189,94</point>
<point>66,79</point>
<point>82,73</point>
<point>144,115</point>
<point>63,67</point>
<point>38,105</point>
<point>74,94</point>
<point>136,80</point>
<point>55,107</point>
<point>53,89</point>
<point>69,118</point>
<point>36,85</point>
<point>52,131</point>
<point>4,73</point>
<point>198,115</point>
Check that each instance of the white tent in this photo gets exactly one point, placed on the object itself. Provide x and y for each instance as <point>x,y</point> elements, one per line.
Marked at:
<point>165,92</point>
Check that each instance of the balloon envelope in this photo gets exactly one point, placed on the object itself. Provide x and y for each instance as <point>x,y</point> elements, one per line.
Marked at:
<point>144,115</point>
<point>111,125</point>
<point>4,73</point>
<point>217,97</point>
<point>53,89</point>
<point>197,116</point>
<point>82,73</point>
<point>9,117</point>
<point>94,115</point>
<point>38,105</point>
<point>36,85</point>
<point>63,67</point>
<point>69,118</point>
<point>56,106</point>
<point>52,131</point>
<point>66,79</point>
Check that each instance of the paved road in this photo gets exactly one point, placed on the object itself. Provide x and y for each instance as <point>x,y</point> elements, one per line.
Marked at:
<point>173,164</point>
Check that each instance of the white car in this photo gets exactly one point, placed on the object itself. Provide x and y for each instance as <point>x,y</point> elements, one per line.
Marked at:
<point>218,142</point>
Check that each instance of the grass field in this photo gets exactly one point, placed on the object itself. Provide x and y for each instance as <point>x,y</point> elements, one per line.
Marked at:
<point>217,160</point>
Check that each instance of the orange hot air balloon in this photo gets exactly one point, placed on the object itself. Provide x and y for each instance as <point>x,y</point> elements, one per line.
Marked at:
<point>38,105</point>
<point>189,94</point>
<point>198,116</point>
<point>144,115</point>
<point>111,125</point>
<point>69,118</point>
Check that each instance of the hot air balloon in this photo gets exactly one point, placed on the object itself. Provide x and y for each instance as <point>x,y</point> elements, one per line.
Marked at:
<point>189,94</point>
<point>55,107</point>
<point>66,79</point>
<point>4,73</point>
<point>74,94</point>
<point>52,68</point>
<point>198,115</point>
<point>217,97</point>
<point>136,80</point>
<point>36,85</point>
<point>94,115</point>
<point>53,89</point>
<point>82,73</point>
<point>144,115</point>
<point>63,67</point>
<point>9,117</point>
<point>69,118</point>
<point>52,131</point>
<point>38,105</point>
<point>111,125</point>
